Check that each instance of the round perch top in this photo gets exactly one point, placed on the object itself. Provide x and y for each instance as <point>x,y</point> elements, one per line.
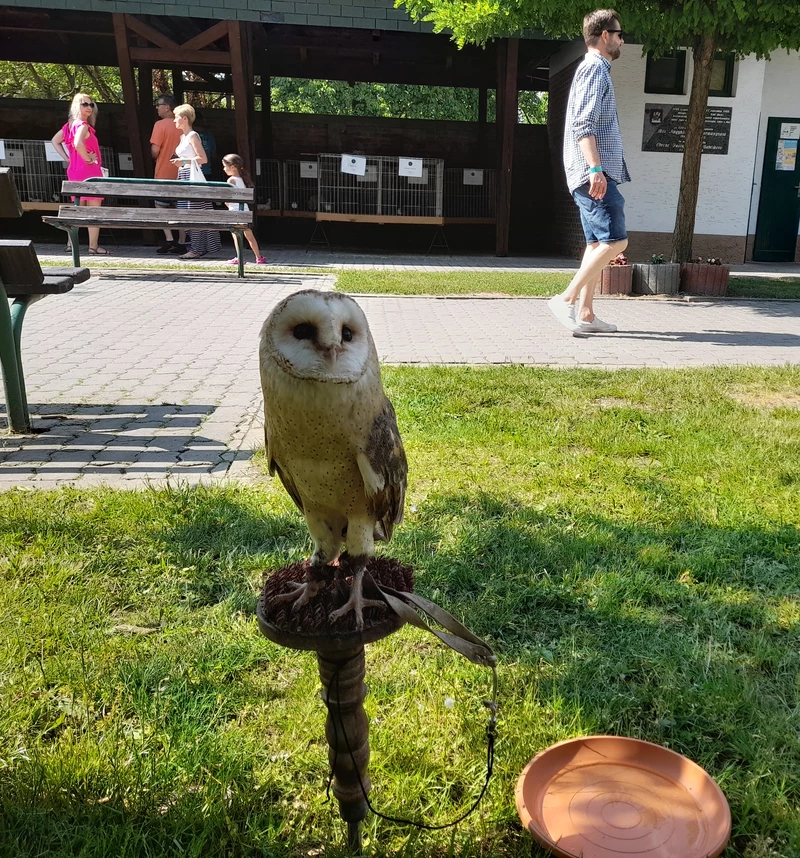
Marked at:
<point>308,626</point>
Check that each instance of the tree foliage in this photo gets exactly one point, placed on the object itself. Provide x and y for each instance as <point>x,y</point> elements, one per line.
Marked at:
<point>739,26</point>
<point>59,82</point>
<point>339,98</point>
<point>289,95</point>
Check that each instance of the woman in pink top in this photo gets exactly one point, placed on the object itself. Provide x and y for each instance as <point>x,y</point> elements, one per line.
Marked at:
<point>77,144</point>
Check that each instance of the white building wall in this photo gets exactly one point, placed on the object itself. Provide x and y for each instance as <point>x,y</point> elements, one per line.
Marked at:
<point>723,203</point>
<point>780,97</point>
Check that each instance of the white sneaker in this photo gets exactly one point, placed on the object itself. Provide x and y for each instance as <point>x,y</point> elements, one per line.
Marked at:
<point>596,326</point>
<point>565,313</point>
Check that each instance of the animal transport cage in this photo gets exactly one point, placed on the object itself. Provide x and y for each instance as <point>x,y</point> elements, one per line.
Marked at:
<point>268,185</point>
<point>300,188</point>
<point>381,190</point>
<point>38,180</point>
<point>469,194</point>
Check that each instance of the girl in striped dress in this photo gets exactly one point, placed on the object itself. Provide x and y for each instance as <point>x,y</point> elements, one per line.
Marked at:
<point>201,241</point>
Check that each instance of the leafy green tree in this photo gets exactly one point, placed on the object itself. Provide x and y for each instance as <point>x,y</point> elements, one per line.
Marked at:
<point>60,82</point>
<point>708,27</point>
<point>339,98</point>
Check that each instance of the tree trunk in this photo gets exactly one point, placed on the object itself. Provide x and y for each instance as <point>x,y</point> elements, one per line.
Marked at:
<point>703,59</point>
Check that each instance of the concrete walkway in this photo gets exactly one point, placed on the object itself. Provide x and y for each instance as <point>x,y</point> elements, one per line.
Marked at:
<point>138,376</point>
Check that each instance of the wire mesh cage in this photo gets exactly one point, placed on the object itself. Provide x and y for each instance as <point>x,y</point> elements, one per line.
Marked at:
<point>268,185</point>
<point>38,171</point>
<point>300,187</point>
<point>469,194</point>
<point>380,187</point>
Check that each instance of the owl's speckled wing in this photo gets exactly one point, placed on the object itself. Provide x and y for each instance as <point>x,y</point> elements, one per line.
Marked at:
<point>386,459</point>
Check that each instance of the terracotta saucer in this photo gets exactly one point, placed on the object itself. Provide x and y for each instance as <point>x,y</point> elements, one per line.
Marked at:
<point>612,797</point>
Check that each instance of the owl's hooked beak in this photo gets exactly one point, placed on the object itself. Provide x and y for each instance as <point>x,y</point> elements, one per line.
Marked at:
<point>332,354</point>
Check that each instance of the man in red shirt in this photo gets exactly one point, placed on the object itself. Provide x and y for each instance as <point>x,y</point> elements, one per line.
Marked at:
<point>163,141</point>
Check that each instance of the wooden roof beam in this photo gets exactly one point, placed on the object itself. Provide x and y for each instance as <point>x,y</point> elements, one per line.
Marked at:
<point>152,35</point>
<point>207,37</point>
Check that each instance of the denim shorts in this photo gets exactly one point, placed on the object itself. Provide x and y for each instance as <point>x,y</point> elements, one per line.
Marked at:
<point>602,220</point>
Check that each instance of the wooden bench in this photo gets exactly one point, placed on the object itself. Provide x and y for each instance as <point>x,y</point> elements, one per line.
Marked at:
<point>71,217</point>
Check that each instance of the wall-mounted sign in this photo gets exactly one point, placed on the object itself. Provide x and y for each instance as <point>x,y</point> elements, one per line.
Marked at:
<point>665,128</point>
<point>411,167</point>
<point>125,161</point>
<point>13,158</point>
<point>786,158</point>
<point>473,177</point>
<point>308,169</point>
<point>356,165</point>
<point>790,131</point>
<point>50,152</point>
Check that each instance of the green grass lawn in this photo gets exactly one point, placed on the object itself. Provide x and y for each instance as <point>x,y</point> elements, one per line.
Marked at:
<point>764,287</point>
<point>519,283</point>
<point>629,542</point>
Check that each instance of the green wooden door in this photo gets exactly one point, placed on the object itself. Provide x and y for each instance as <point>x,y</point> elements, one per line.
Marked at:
<point>779,203</point>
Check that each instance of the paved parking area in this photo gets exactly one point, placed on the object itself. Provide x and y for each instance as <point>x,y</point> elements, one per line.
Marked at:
<point>138,376</point>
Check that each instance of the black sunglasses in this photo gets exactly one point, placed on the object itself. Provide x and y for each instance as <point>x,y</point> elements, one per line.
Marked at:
<point>87,104</point>
<point>621,32</point>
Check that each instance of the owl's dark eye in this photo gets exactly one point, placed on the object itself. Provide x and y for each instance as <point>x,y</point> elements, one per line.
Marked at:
<point>304,331</point>
<point>347,334</point>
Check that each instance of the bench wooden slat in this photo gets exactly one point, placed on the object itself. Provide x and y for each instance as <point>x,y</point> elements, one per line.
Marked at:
<point>19,266</point>
<point>166,189</point>
<point>78,275</point>
<point>150,218</point>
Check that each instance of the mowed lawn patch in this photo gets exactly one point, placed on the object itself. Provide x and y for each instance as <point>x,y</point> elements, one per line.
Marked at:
<point>629,543</point>
<point>487,282</point>
<point>520,283</point>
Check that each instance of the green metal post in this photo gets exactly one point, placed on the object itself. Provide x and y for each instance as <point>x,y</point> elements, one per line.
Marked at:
<point>18,310</point>
<point>76,248</point>
<point>238,234</point>
<point>18,418</point>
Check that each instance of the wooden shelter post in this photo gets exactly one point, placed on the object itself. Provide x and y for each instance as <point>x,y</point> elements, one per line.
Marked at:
<point>146,114</point>
<point>483,104</point>
<point>177,84</point>
<point>240,39</point>
<point>507,109</point>
<point>129,93</point>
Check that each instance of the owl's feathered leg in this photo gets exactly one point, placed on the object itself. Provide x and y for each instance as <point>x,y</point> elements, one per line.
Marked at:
<point>327,543</point>
<point>360,550</point>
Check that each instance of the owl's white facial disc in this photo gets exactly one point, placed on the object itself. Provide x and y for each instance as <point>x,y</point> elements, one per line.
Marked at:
<point>319,336</point>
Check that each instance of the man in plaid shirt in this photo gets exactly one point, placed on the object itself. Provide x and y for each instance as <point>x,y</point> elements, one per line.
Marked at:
<point>595,164</point>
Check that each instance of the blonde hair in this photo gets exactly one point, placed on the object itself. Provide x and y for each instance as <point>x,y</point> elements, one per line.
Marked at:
<point>75,108</point>
<point>185,110</point>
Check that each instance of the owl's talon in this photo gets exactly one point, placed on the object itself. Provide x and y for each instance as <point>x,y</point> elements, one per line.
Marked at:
<point>301,593</point>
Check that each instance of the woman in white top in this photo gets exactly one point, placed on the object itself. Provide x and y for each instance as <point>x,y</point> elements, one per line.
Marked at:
<point>201,241</point>
<point>240,178</point>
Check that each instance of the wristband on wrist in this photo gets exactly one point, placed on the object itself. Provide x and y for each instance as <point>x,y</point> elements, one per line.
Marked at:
<point>595,169</point>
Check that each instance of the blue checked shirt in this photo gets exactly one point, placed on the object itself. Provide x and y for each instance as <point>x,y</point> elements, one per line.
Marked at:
<point>592,109</point>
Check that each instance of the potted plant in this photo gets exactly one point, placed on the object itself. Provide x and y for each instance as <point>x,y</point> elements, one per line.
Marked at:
<point>616,278</point>
<point>705,276</point>
<point>657,277</point>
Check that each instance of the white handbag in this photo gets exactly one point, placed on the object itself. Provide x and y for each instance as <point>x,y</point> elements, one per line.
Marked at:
<point>195,173</point>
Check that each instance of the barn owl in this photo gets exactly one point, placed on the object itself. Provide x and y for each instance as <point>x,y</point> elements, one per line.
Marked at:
<point>331,435</point>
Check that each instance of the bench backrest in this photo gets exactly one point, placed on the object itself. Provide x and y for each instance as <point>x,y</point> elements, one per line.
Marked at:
<point>19,265</point>
<point>160,189</point>
<point>10,205</point>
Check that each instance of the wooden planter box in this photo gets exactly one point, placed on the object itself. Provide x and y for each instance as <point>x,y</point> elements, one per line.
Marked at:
<point>615,280</point>
<point>698,278</point>
<point>656,279</point>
